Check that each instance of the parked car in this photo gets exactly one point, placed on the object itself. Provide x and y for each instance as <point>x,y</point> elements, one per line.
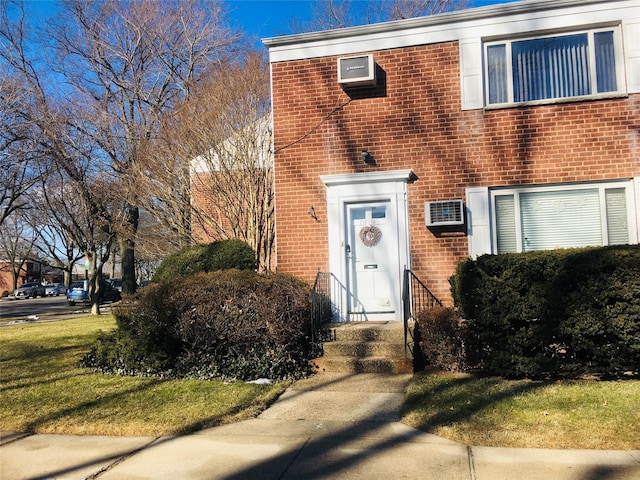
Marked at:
<point>77,293</point>
<point>30,290</point>
<point>55,289</point>
<point>116,283</point>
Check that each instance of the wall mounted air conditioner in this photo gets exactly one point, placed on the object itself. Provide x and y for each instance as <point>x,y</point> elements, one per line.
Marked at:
<point>443,213</point>
<point>357,71</point>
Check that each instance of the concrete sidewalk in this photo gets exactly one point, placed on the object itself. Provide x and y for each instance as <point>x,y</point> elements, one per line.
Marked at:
<point>329,426</point>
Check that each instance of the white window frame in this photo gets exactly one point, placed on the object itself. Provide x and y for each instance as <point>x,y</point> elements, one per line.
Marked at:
<point>628,186</point>
<point>619,59</point>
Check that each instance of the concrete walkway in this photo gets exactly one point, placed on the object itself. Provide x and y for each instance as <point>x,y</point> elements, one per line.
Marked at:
<point>329,426</point>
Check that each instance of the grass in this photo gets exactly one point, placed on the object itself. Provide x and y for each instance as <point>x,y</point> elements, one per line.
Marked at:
<point>491,411</point>
<point>43,390</point>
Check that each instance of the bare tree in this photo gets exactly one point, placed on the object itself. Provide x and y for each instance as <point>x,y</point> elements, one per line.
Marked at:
<point>127,63</point>
<point>154,240</point>
<point>219,145</point>
<point>332,14</point>
<point>58,217</point>
<point>402,9</point>
<point>57,136</point>
<point>17,172</point>
<point>80,225</point>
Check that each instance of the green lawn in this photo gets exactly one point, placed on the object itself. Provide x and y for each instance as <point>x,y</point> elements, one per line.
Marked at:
<point>42,388</point>
<point>496,412</point>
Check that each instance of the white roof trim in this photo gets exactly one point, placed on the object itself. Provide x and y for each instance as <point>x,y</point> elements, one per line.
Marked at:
<point>503,19</point>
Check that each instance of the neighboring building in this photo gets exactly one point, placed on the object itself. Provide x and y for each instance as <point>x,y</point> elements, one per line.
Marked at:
<point>527,112</point>
<point>232,191</point>
<point>31,271</point>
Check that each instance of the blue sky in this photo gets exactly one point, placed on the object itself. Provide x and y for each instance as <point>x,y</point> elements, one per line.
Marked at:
<point>259,18</point>
<point>268,18</point>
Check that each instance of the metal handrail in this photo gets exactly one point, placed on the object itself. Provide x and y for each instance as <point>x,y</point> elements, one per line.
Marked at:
<point>320,301</point>
<point>415,297</point>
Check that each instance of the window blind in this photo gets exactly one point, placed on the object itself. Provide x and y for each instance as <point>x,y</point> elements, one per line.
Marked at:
<point>617,227</point>
<point>560,219</point>
<point>551,67</point>
<point>506,223</point>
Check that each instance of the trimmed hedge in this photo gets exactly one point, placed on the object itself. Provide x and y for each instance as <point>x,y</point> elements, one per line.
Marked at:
<point>552,312</point>
<point>207,257</point>
<point>223,324</point>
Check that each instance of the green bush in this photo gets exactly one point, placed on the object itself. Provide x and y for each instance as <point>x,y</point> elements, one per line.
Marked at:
<point>207,257</point>
<point>223,324</point>
<point>442,338</point>
<point>553,312</point>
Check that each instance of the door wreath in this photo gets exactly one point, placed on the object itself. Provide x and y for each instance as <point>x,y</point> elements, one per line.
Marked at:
<point>370,235</point>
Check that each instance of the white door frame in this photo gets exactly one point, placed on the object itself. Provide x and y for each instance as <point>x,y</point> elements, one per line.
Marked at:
<point>346,189</point>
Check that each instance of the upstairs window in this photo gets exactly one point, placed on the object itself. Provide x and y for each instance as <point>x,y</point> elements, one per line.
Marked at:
<point>552,67</point>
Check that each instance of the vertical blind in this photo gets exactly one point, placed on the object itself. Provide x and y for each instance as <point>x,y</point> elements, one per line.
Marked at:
<point>497,72</point>
<point>605,62</point>
<point>552,67</point>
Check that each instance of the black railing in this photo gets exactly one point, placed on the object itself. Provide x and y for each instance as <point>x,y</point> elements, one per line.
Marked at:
<point>320,300</point>
<point>415,297</point>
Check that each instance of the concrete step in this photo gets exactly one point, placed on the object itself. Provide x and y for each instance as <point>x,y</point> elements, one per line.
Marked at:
<point>367,332</point>
<point>364,348</point>
<point>345,364</point>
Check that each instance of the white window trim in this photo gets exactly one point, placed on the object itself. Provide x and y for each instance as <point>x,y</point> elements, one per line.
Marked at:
<point>630,195</point>
<point>619,57</point>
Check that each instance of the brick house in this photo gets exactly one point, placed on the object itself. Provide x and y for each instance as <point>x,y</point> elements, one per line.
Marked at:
<point>30,271</point>
<point>413,144</point>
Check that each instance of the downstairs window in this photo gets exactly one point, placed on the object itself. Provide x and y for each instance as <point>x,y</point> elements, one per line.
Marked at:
<point>543,218</point>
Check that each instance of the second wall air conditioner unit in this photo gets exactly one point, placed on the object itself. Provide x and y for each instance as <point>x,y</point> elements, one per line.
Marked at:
<point>357,71</point>
<point>443,213</point>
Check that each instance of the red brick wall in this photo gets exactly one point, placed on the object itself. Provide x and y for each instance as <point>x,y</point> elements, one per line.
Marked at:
<point>204,206</point>
<point>418,123</point>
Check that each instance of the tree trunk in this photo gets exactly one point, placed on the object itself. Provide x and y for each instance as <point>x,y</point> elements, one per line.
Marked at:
<point>94,284</point>
<point>127,251</point>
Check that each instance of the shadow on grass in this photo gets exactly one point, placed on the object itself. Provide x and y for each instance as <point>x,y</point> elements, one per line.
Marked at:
<point>38,369</point>
<point>27,353</point>
<point>76,410</point>
<point>455,404</point>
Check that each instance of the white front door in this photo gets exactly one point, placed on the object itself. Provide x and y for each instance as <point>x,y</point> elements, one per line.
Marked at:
<point>368,243</point>
<point>372,257</point>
